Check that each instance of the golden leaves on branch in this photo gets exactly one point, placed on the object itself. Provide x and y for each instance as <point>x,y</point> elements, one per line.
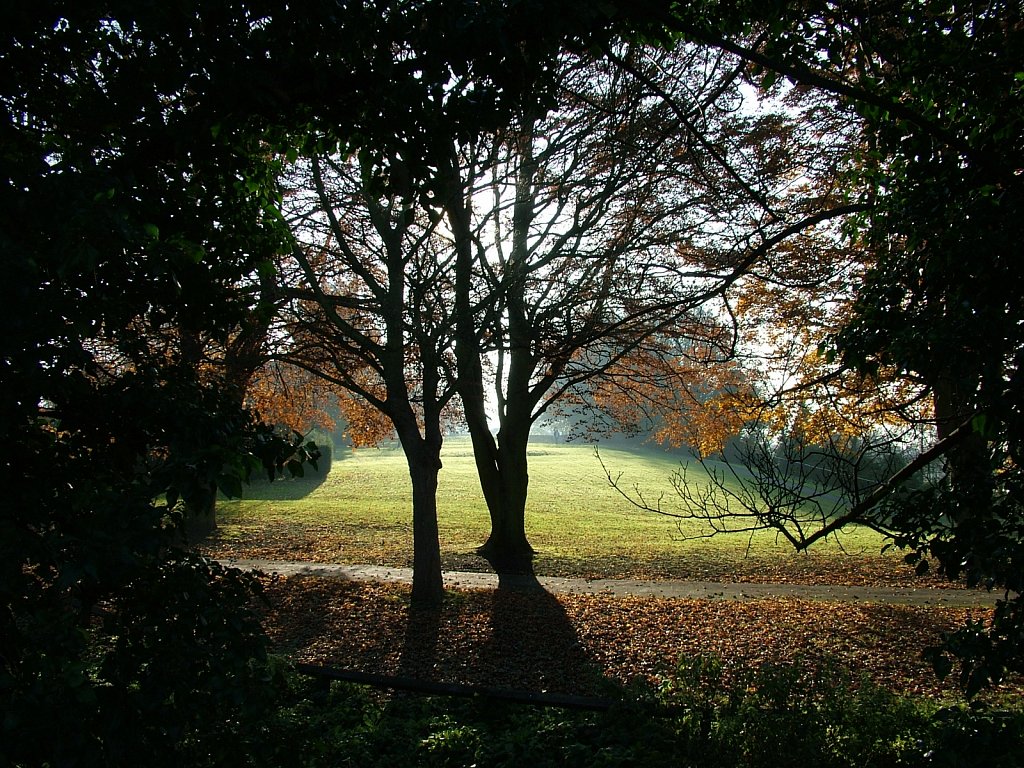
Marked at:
<point>678,399</point>
<point>284,394</point>
<point>366,425</point>
<point>288,395</point>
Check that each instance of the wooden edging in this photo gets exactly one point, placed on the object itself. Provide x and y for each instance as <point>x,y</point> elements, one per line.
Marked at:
<point>429,687</point>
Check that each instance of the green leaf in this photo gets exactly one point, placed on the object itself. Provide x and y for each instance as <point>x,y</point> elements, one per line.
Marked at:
<point>986,426</point>
<point>230,486</point>
<point>976,681</point>
<point>266,269</point>
<point>941,663</point>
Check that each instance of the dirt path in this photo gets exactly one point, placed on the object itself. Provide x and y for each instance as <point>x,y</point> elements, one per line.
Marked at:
<point>948,598</point>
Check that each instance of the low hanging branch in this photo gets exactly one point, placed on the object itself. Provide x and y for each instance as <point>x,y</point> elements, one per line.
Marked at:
<point>857,511</point>
<point>773,520</point>
<point>433,688</point>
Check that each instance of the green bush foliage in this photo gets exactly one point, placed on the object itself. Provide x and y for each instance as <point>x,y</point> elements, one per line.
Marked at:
<point>778,715</point>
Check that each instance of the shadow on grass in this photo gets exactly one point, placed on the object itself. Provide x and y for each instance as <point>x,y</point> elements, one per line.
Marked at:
<point>284,489</point>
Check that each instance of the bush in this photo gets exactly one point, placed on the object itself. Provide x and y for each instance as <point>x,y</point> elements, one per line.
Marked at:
<point>812,715</point>
<point>323,464</point>
<point>172,671</point>
<point>785,714</point>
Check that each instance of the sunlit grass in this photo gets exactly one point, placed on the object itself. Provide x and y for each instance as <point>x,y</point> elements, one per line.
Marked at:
<point>577,523</point>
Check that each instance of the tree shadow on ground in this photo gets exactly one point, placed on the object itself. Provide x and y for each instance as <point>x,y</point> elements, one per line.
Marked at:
<point>516,637</point>
<point>296,626</point>
<point>519,637</point>
<point>419,658</point>
<point>284,489</point>
<point>534,642</point>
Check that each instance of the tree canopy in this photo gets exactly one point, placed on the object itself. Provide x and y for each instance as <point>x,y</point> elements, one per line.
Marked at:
<point>135,213</point>
<point>935,315</point>
<point>143,236</point>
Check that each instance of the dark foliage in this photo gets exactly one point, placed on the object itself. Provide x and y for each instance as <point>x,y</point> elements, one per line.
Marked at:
<point>937,86</point>
<point>131,218</point>
<point>780,715</point>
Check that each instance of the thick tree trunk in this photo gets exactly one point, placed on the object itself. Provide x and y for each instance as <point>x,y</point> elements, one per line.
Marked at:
<point>201,519</point>
<point>502,470</point>
<point>970,470</point>
<point>501,464</point>
<point>424,462</point>
<point>507,548</point>
<point>242,357</point>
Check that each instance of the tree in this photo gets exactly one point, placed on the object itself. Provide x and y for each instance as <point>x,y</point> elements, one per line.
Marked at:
<point>370,314</point>
<point>390,266</point>
<point>618,219</point>
<point>289,396</point>
<point>132,207</point>
<point>138,203</point>
<point>943,301</point>
<point>936,86</point>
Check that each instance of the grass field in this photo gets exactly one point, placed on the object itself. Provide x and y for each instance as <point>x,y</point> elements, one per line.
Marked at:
<point>579,525</point>
<point>360,513</point>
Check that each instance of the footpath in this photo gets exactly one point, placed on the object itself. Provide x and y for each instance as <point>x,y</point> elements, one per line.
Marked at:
<point>703,590</point>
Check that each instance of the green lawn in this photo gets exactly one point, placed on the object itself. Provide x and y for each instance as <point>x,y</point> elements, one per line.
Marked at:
<point>579,525</point>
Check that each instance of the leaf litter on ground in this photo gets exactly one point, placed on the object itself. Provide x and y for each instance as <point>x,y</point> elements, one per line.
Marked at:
<point>595,644</point>
<point>589,644</point>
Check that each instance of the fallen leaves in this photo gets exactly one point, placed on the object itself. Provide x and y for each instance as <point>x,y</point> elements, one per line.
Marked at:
<point>586,644</point>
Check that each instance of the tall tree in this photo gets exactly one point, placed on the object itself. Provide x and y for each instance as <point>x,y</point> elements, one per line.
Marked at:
<point>425,120</point>
<point>369,285</point>
<point>612,226</point>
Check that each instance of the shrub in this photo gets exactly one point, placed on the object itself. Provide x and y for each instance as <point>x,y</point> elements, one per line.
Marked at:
<point>778,715</point>
<point>802,714</point>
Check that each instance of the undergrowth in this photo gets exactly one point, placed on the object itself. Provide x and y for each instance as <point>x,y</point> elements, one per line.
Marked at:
<point>783,715</point>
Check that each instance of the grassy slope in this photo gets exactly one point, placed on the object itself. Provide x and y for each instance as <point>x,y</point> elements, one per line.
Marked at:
<point>577,523</point>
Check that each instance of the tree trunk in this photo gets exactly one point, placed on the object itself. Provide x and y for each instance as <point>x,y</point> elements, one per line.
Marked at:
<point>504,481</point>
<point>970,470</point>
<point>507,548</point>
<point>242,358</point>
<point>502,470</point>
<point>201,518</point>
<point>424,462</point>
<point>502,464</point>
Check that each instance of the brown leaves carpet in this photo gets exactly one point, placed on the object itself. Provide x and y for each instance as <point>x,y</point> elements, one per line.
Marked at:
<point>592,644</point>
